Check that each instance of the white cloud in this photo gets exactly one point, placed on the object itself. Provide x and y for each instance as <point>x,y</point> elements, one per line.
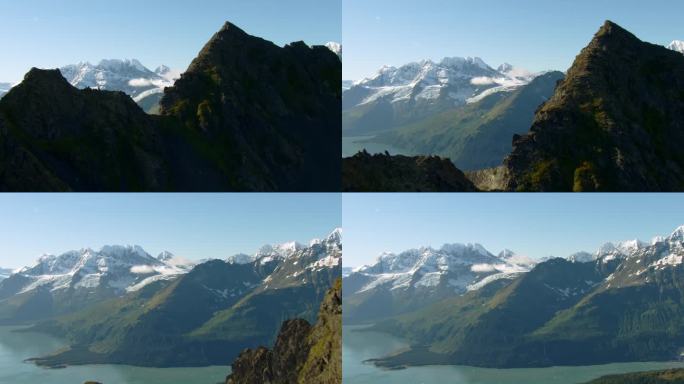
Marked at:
<point>142,269</point>
<point>140,82</point>
<point>482,80</point>
<point>483,268</point>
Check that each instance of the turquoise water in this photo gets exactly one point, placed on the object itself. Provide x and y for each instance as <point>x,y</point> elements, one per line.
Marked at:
<point>360,346</point>
<point>352,144</point>
<point>15,347</point>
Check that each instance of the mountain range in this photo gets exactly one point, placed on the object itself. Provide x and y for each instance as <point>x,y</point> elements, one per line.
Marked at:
<point>396,96</point>
<point>57,285</point>
<point>400,283</point>
<point>122,306</point>
<point>624,303</point>
<point>145,86</point>
<point>247,115</point>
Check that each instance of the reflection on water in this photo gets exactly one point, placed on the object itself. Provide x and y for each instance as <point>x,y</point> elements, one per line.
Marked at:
<point>360,346</point>
<point>16,347</point>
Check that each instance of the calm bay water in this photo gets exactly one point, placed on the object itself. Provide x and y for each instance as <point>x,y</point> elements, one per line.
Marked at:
<point>15,347</point>
<point>353,144</point>
<point>360,346</point>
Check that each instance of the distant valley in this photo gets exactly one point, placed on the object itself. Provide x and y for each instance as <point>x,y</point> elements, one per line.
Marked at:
<point>120,305</point>
<point>463,305</point>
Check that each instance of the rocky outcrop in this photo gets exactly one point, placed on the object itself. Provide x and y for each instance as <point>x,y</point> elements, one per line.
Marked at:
<point>614,124</point>
<point>364,172</point>
<point>670,376</point>
<point>301,354</point>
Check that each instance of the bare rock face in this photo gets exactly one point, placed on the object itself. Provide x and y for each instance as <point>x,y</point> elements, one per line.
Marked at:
<point>614,124</point>
<point>301,354</point>
<point>364,172</point>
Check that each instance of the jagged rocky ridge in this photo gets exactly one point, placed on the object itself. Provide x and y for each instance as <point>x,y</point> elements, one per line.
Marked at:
<point>624,304</point>
<point>247,115</point>
<point>205,316</point>
<point>613,124</point>
<point>302,353</point>
<point>364,172</point>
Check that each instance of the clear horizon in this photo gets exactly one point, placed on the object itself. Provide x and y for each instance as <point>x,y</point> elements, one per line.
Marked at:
<point>194,226</point>
<point>48,34</point>
<point>534,225</point>
<point>537,35</point>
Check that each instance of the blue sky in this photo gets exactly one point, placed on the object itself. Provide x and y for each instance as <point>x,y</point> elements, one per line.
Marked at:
<point>535,34</point>
<point>194,226</point>
<point>535,225</point>
<point>52,33</point>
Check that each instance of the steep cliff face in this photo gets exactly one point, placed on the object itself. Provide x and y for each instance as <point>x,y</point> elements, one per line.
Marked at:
<point>614,124</point>
<point>275,110</point>
<point>364,172</point>
<point>301,354</point>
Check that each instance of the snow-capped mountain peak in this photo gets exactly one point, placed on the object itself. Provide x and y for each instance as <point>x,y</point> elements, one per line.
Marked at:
<point>459,267</point>
<point>122,65</point>
<point>165,256</point>
<point>120,268</point>
<point>128,76</point>
<point>456,80</point>
<point>581,257</point>
<point>240,258</point>
<point>335,47</point>
<point>677,45</point>
<point>676,235</point>
<point>334,238</point>
<point>168,73</point>
<point>505,67</point>
<point>610,251</point>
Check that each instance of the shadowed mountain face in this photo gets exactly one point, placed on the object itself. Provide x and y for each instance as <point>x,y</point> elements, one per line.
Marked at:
<point>614,124</point>
<point>302,353</point>
<point>275,110</point>
<point>248,115</point>
<point>56,137</point>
